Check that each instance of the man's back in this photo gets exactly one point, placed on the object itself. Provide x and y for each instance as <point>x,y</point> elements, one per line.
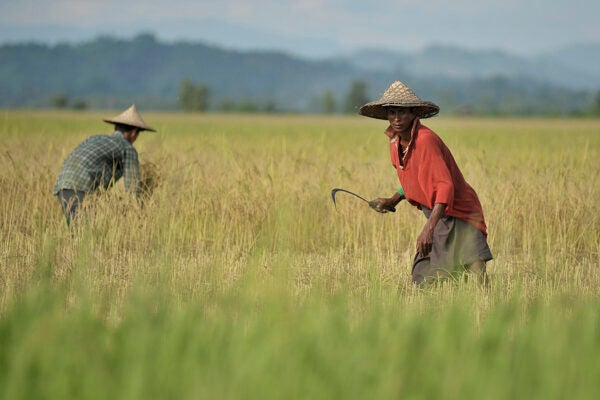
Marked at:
<point>100,161</point>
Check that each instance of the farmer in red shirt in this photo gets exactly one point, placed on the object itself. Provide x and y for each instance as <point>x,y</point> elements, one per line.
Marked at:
<point>453,240</point>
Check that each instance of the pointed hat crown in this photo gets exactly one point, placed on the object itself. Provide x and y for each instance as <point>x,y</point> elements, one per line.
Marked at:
<point>399,95</point>
<point>130,117</point>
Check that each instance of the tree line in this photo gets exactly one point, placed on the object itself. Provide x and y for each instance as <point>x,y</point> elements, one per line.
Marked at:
<point>196,97</point>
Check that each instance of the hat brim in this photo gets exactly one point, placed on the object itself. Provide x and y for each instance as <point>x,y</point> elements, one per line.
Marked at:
<point>378,109</point>
<point>130,123</point>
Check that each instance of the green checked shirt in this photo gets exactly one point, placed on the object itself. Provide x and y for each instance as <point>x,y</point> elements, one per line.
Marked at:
<point>100,161</point>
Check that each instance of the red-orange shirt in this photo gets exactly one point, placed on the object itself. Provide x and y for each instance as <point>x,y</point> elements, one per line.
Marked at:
<point>429,175</point>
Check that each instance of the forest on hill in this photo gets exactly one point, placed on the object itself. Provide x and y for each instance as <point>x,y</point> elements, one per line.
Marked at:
<point>109,73</point>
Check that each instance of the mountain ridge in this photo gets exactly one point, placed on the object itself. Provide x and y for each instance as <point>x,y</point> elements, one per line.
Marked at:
<point>108,71</point>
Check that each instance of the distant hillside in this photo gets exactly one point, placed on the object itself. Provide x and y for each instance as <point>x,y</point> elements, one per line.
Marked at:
<point>109,73</point>
<point>574,67</point>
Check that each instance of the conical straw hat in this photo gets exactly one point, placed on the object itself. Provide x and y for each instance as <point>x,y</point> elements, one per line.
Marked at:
<point>399,95</point>
<point>130,117</point>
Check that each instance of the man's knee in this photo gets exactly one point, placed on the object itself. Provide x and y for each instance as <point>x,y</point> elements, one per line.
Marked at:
<point>418,279</point>
<point>477,269</point>
<point>424,273</point>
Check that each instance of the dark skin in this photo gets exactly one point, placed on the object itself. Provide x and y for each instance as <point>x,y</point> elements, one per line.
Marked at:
<point>401,121</point>
<point>132,135</point>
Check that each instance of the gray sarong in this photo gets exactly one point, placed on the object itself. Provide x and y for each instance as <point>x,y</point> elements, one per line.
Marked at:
<point>456,245</point>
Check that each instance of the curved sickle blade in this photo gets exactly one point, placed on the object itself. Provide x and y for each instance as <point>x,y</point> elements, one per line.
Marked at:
<point>334,191</point>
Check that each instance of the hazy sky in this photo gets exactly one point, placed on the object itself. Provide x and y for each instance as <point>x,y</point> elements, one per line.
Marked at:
<point>313,26</point>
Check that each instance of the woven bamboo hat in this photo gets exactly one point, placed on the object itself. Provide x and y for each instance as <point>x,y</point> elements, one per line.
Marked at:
<point>130,117</point>
<point>399,95</point>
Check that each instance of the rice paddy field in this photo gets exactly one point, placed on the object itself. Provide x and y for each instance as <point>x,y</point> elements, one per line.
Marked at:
<point>238,279</point>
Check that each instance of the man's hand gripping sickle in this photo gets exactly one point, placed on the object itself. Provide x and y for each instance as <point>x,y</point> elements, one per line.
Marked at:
<point>382,205</point>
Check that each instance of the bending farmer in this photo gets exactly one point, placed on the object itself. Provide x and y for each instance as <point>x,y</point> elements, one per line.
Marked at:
<point>453,240</point>
<point>100,161</point>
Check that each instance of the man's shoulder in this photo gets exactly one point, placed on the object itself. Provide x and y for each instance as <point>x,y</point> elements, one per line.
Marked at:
<point>103,143</point>
<point>427,135</point>
<point>115,137</point>
<point>99,138</point>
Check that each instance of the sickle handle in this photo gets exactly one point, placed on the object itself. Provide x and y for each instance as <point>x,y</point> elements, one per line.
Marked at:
<point>375,206</point>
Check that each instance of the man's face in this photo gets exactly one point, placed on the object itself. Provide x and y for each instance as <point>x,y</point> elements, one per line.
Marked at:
<point>135,133</point>
<point>400,119</point>
<point>132,135</point>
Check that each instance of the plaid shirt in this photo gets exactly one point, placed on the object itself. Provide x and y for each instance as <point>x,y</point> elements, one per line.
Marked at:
<point>100,161</point>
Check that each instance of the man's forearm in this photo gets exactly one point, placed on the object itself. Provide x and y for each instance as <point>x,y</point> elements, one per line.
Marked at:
<point>425,240</point>
<point>396,198</point>
<point>436,214</point>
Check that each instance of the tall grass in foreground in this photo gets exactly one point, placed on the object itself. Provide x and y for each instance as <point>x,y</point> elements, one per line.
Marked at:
<point>238,279</point>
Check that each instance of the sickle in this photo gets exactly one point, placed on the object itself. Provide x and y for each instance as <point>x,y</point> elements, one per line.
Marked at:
<point>334,191</point>
<point>371,204</point>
